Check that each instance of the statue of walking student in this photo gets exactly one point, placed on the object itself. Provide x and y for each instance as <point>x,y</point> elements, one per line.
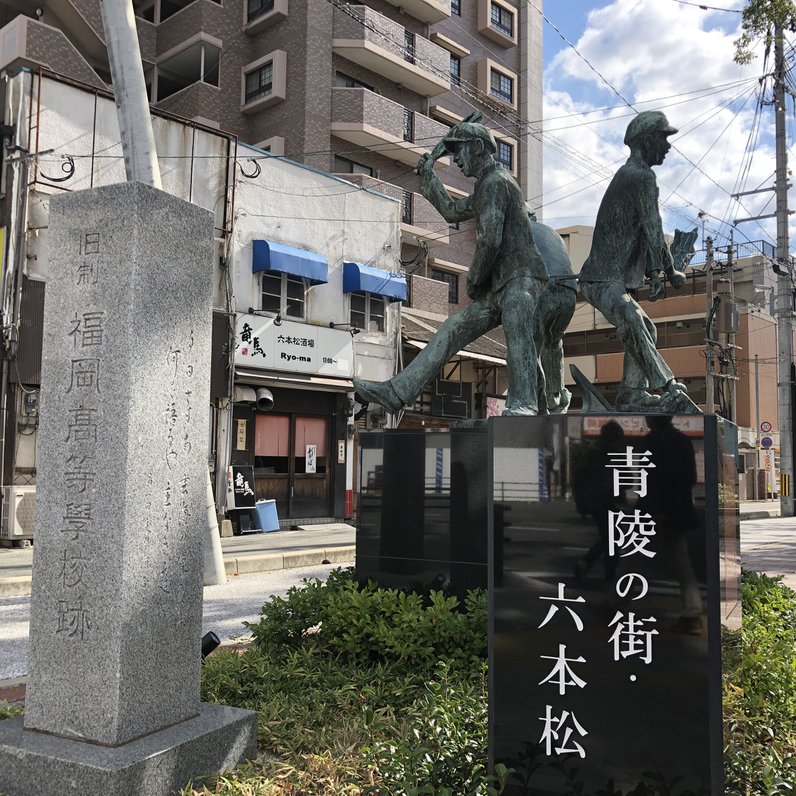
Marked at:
<point>505,280</point>
<point>628,246</point>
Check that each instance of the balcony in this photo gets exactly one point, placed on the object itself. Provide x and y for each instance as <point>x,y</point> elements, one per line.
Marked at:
<point>419,220</point>
<point>425,10</point>
<point>26,42</point>
<point>188,24</point>
<point>369,39</point>
<point>374,122</point>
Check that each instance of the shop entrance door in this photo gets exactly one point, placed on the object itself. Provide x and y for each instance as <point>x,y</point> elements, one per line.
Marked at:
<point>291,464</point>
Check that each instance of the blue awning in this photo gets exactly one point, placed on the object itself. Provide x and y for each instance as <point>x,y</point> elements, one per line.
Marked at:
<point>276,257</point>
<point>362,278</point>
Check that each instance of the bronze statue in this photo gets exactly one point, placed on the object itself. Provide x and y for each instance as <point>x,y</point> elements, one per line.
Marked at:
<point>629,245</point>
<point>505,280</point>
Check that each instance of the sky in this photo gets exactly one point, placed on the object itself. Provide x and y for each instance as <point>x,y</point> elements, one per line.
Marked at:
<point>664,55</point>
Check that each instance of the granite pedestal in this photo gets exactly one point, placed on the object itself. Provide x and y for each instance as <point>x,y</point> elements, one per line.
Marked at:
<point>423,509</point>
<point>116,609</point>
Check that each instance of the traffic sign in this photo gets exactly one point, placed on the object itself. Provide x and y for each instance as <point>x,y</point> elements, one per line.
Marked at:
<point>766,442</point>
<point>765,426</point>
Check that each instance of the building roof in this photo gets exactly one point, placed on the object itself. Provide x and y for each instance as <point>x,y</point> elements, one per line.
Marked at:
<point>421,330</point>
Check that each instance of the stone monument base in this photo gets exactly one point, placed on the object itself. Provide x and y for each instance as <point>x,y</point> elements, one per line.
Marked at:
<point>37,764</point>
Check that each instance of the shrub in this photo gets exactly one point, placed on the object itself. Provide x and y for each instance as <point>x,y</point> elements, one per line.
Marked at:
<point>7,710</point>
<point>760,691</point>
<point>369,623</point>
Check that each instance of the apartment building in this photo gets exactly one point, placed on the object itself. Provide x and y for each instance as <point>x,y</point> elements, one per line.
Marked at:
<point>359,90</point>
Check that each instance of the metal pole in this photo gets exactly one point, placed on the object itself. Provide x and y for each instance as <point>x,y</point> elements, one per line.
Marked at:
<point>784,286</point>
<point>129,90</point>
<point>709,326</point>
<point>731,331</point>
<point>757,423</point>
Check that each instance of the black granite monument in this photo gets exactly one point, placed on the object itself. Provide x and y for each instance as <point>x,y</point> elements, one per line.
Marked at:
<point>613,560</point>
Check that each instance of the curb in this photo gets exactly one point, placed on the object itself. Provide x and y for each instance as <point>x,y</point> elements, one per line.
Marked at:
<point>13,690</point>
<point>267,562</point>
<point>18,586</point>
<point>234,565</point>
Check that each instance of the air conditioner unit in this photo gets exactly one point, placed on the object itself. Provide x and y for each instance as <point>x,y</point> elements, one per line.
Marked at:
<point>19,503</point>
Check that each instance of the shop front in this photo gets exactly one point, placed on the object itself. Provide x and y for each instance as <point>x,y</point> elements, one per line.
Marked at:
<point>289,424</point>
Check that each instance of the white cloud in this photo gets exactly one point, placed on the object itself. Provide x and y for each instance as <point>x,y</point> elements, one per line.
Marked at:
<point>660,55</point>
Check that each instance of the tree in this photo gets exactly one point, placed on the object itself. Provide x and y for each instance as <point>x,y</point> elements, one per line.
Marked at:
<point>759,19</point>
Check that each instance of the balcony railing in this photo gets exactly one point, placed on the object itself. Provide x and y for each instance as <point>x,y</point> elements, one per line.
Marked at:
<point>753,248</point>
<point>371,120</point>
<point>370,39</point>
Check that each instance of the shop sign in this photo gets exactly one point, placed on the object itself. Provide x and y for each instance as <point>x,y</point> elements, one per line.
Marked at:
<point>240,487</point>
<point>293,347</point>
<point>310,458</point>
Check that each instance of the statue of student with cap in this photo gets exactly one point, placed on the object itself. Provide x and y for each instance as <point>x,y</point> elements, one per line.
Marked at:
<point>629,245</point>
<point>505,280</point>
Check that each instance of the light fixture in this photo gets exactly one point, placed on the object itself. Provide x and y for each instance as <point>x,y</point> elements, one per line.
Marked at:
<point>209,642</point>
<point>264,313</point>
<point>348,327</point>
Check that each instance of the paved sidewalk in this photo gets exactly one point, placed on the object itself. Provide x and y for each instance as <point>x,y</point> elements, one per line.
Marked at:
<point>333,543</point>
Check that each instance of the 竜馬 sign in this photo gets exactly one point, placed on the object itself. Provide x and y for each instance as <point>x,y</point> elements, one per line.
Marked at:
<point>240,487</point>
<point>291,346</point>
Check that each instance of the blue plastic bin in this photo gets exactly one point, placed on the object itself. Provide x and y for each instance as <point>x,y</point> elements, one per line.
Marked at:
<point>265,512</point>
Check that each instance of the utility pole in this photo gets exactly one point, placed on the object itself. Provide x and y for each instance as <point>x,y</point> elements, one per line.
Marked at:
<point>709,388</point>
<point>784,305</point>
<point>782,268</point>
<point>141,164</point>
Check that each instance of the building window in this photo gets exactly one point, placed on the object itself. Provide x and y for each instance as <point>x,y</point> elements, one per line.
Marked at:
<point>346,166</point>
<point>452,281</point>
<point>263,82</point>
<point>407,202</point>
<point>256,8</point>
<point>409,125</point>
<point>259,82</point>
<point>456,7</point>
<point>456,70</point>
<point>284,294</point>
<point>342,80</point>
<point>501,86</point>
<point>409,46</point>
<point>367,311</point>
<point>502,20</point>
<point>505,154</point>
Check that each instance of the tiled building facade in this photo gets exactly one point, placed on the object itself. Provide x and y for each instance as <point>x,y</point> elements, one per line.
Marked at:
<point>359,90</point>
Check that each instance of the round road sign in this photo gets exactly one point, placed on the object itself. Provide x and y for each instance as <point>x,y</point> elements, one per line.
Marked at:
<point>765,426</point>
<point>766,442</point>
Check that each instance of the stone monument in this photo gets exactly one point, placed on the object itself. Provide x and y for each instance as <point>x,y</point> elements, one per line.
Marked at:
<point>113,689</point>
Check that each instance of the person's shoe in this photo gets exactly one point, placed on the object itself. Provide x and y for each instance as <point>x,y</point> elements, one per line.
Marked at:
<point>379,392</point>
<point>564,400</point>
<point>520,410</point>
<point>636,400</point>
<point>673,386</point>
